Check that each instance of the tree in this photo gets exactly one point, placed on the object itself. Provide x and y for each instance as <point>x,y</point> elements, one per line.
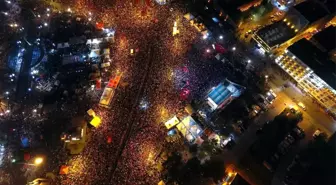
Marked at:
<point>214,169</point>
<point>274,132</point>
<point>208,148</point>
<point>172,167</point>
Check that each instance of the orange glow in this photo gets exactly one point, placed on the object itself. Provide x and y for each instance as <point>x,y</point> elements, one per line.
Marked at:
<point>64,170</point>
<point>114,82</point>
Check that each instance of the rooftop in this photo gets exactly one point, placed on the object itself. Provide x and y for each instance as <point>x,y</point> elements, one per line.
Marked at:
<point>331,5</point>
<point>317,60</point>
<point>326,38</point>
<point>312,10</point>
<point>276,33</point>
<point>239,181</point>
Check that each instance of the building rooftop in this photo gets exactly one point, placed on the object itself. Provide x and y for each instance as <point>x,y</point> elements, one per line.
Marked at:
<point>317,60</point>
<point>331,5</point>
<point>326,38</point>
<point>312,10</point>
<point>276,33</point>
<point>239,181</point>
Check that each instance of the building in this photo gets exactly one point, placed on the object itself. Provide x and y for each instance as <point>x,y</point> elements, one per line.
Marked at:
<point>272,36</point>
<point>307,16</point>
<point>312,11</point>
<point>239,180</point>
<point>314,72</point>
<point>221,95</point>
<point>323,41</point>
<point>75,137</point>
<point>187,127</point>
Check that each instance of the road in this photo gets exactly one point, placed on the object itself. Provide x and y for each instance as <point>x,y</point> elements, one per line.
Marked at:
<point>254,24</point>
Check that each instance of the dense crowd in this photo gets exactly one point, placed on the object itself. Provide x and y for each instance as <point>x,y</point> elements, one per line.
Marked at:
<point>148,30</point>
<point>162,67</point>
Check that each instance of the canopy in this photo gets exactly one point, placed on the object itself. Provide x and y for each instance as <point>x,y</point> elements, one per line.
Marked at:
<point>96,121</point>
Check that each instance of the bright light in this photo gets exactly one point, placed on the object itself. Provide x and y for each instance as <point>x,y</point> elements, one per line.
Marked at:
<point>7,111</point>
<point>45,24</point>
<point>208,50</point>
<point>8,2</point>
<point>29,89</point>
<point>34,110</point>
<point>90,13</point>
<point>7,92</point>
<point>205,36</point>
<point>234,48</point>
<point>144,104</point>
<point>38,161</point>
<point>175,30</point>
<point>48,14</point>
<point>266,76</point>
<point>90,19</point>
<point>5,13</point>
<point>221,37</point>
<point>249,61</point>
<point>69,9</point>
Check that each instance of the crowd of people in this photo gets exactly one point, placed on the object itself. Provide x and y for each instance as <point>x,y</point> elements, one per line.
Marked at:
<point>126,159</point>
<point>122,149</point>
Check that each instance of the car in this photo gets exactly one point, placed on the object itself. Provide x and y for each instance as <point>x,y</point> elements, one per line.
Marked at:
<point>300,104</point>
<point>316,133</point>
<point>298,133</point>
<point>290,139</point>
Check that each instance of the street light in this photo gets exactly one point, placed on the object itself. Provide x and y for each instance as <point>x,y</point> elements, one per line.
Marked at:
<point>249,61</point>
<point>221,37</point>
<point>234,49</point>
<point>38,160</point>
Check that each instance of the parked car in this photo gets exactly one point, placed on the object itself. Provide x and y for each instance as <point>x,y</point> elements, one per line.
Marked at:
<point>300,104</point>
<point>298,133</point>
<point>316,133</point>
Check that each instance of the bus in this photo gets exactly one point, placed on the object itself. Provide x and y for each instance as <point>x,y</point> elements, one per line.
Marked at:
<point>109,91</point>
